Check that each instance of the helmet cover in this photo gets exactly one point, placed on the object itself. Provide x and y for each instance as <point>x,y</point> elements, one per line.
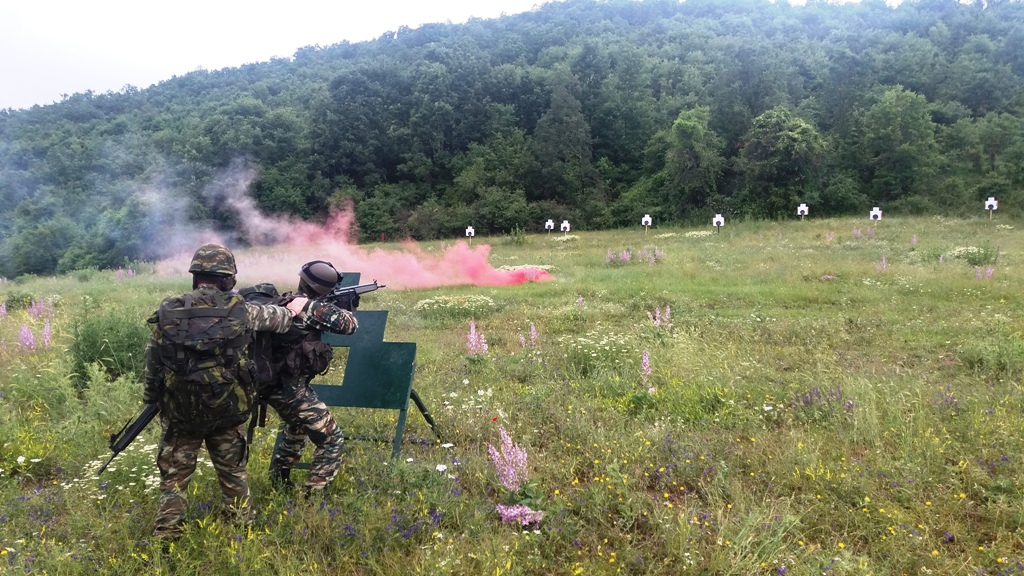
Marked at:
<point>213,259</point>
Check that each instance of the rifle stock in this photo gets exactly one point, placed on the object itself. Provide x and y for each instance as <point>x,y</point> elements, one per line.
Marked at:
<point>128,433</point>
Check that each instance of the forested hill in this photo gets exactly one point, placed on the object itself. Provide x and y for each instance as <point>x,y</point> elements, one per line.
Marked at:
<point>598,112</point>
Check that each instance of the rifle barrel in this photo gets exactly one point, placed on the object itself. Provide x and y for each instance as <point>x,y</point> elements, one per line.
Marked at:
<point>129,432</point>
<point>107,463</point>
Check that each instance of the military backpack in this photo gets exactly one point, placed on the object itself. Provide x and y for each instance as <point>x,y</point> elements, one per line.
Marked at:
<point>202,343</point>
<point>299,352</point>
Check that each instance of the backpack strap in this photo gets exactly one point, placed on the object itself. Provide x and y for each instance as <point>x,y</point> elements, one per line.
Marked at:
<point>182,328</point>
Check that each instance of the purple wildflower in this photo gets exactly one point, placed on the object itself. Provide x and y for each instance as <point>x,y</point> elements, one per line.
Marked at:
<point>913,240</point>
<point>856,233</point>
<point>522,340</point>
<point>518,513</point>
<point>476,343</point>
<point>883,266</point>
<point>660,318</point>
<point>871,232</point>
<point>989,271</point>
<point>611,257</point>
<point>26,338</point>
<point>940,258</point>
<point>533,334</point>
<point>119,275</point>
<point>47,334</point>
<point>38,308</point>
<point>3,310</point>
<point>579,302</point>
<point>509,463</point>
<point>129,273</point>
<point>977,272</point>
<point>626,255</point>
<point>645,367</point>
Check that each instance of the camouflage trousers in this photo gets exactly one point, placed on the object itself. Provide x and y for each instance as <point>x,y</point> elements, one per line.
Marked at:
<point>306,416</point>
<point>177,457</point>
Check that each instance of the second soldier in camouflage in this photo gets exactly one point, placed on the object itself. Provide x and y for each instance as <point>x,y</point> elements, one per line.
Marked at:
<point>297,357</point>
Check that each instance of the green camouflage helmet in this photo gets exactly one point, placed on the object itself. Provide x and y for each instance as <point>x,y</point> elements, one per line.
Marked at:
<point>213,259</point>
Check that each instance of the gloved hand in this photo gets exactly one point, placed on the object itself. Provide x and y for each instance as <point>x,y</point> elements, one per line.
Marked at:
<point>348,302</point>
<point>297,305</point>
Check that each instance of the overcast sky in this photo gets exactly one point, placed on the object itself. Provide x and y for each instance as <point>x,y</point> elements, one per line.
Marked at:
<point>54,47</point>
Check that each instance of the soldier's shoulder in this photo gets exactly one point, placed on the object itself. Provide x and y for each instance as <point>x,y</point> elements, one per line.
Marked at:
<point>232,297</point>
<point>169,303</point>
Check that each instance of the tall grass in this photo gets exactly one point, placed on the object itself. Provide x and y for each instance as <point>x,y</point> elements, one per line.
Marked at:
<point>807,410</point>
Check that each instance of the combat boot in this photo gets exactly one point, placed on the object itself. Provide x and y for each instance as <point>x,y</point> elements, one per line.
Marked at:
<point>167,534</point>
<point>280,479</point>
<point>315,493</point>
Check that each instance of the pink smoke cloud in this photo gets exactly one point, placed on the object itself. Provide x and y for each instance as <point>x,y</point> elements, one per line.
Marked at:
<point>286,244</point>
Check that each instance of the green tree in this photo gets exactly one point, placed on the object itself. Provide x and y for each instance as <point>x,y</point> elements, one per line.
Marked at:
<point>977,80</point>
<point>898,153</point>
<point>386,211</point>
<point>424,136</point>
<point>780,162</point>
<point>500,210</point>
<point>911,61</point>
<point>562,150</point>
<point>625,116</point>
<point>693,162</point>
<point>349,126</point>
<point>38,250</point>
<point>502,161</point>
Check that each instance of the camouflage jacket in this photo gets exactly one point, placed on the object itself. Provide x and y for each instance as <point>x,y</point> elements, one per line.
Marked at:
<point>266,318</point>
<point>298,353</point>
<point>326,317</point>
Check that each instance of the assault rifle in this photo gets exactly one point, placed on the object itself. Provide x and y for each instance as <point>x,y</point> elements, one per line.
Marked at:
<point>128,433</point>
<point>347,298</point>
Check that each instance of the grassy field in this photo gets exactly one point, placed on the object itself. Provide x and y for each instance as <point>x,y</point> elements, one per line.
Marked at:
<point>817,397</point>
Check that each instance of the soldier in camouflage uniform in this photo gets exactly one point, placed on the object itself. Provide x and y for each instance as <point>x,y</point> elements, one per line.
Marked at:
<point>297,357</point>
<point>205,395</point>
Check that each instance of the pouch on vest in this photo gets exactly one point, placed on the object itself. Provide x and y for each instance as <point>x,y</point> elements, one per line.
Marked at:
<point>309,358</point>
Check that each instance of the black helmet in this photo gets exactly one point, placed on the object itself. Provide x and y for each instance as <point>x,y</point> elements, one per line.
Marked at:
<point>319,276</point>
<point>213,259</point>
